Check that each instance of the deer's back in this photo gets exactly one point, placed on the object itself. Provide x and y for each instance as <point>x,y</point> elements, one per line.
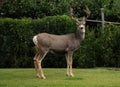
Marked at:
<point>56,42</point>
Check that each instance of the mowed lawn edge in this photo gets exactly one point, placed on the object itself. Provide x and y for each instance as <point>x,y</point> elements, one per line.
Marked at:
<point>56,77</point>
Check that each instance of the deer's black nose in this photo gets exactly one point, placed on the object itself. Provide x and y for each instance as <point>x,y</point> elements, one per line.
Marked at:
<point>81,28</point>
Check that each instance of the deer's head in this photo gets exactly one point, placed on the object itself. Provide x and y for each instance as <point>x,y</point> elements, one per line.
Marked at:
<point>80,24</point>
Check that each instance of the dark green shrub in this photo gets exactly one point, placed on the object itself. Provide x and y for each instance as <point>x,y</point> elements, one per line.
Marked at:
<point>100,47</point>
<point>16,37</point>
<point>43,8</point>
<point>30,8</point>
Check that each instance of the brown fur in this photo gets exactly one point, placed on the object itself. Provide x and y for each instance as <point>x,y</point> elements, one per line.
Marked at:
<point>68,43</point>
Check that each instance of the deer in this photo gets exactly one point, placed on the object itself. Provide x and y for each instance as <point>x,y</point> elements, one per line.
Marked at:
<point>68,43</point>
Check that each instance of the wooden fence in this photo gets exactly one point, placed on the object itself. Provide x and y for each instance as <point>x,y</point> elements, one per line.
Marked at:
<point>103,22</point>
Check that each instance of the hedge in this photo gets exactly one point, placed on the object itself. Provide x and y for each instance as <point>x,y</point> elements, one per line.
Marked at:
<point>17,48</point>
<point>100,47</point>
<point>43,8</point>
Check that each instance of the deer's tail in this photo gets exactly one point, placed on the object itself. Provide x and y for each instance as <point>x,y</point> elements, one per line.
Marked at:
<point>35,40</point>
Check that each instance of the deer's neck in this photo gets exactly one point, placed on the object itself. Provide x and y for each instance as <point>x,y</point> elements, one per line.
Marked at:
<point>80,35</point>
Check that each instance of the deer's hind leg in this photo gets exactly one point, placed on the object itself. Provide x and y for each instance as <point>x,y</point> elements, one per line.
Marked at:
<point>42,54</point>
<point>36,65</point>
<point>37,61</point>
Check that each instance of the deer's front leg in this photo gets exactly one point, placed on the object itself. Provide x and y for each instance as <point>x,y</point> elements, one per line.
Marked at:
<point>68,73</point>
<point>69,64</point>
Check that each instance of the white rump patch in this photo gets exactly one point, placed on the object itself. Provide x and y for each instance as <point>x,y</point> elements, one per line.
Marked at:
<point>35,40</point>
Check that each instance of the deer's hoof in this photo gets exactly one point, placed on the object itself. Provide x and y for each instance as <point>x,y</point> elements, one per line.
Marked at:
<point>37,76</point>
<point>71,75</point>
<point>67,74</point>
<point>43,77</point>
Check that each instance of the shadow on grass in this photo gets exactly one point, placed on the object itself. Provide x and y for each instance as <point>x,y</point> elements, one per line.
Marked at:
<point>73,78</point>
<point>3,85</point>
<point>114,69</point>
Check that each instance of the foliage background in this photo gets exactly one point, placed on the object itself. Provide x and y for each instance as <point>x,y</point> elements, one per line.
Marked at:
<point>27,18</point>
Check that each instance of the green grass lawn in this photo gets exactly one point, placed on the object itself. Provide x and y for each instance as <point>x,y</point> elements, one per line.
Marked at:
<point>98,77</point>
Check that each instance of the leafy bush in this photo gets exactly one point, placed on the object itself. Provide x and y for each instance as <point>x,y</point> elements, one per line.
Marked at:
<point>16,37</point>
<point>100,47</point>
<point>30,8</point>
<point>43,8</point>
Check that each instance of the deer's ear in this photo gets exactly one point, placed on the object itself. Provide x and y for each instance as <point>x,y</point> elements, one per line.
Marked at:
<point>84,20</point>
